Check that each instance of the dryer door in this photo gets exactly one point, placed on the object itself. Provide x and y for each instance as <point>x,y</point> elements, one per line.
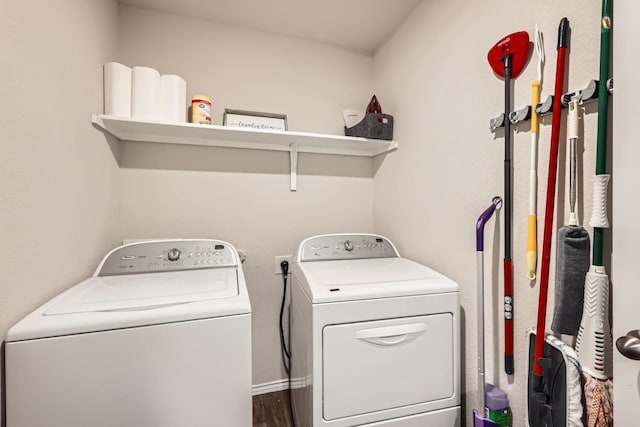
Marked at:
<point>380,365</point>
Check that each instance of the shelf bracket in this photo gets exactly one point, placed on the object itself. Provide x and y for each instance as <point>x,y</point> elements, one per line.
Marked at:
<point>293,159</point>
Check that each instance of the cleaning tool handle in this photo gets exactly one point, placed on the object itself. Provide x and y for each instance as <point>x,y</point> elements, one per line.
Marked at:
<point>550,200</point>
<point>480,326</point>
<point>532,220</point>
<point>599,216</point>
<point>572,135</point>
<point>532,249</point>
<point>603,93</point>
<point>533,190</point>
<point>508,275</point>
<point>508,204</point>
<point>532,254</point>
<point>594,344</point>
<point>603,116</point>
<point>563,34</point>
<point>572,120</point>
<point>535,98</point>
<point>508,317</point>
<point>496,202</point>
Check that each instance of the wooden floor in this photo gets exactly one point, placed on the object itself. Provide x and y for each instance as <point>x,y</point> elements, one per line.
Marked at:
<point>272,410</point>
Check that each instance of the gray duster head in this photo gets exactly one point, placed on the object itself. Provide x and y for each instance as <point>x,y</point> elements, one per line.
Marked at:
<point>571,269</point>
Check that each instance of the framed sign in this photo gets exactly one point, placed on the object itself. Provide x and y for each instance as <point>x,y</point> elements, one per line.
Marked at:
<point>254,120</point>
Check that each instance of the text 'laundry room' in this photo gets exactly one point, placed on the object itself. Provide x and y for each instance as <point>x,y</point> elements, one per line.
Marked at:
<point>407,213</point>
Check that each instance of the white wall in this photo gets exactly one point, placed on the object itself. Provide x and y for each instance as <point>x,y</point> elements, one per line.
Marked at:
<point>434,77</point>
<point>243,196</point>
<point>250,70</point>
<point>59,192</point>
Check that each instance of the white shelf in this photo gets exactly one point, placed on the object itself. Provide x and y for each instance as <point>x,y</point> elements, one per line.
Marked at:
<point>127,129</point>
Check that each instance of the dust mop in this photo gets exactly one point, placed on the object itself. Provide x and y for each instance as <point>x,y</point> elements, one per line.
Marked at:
<point>480,417</point>
<point>572,248</point>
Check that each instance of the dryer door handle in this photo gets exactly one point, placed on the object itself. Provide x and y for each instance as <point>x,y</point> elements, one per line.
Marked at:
<point>391,335</point>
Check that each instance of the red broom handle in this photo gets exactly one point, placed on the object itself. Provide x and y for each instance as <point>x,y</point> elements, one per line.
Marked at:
<point>551,195</point>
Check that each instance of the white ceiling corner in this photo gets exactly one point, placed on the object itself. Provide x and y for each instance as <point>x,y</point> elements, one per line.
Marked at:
<point>359,25</point>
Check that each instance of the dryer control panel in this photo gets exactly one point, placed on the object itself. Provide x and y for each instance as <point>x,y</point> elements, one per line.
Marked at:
<point>167,255</point>
<point>346,246</point>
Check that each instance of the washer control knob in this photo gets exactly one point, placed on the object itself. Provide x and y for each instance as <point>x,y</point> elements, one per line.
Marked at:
<point>348,245</point>
<point>173,254</point>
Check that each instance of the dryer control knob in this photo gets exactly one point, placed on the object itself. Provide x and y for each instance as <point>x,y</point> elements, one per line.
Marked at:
<point>348,245</point>
<point>173,254</point>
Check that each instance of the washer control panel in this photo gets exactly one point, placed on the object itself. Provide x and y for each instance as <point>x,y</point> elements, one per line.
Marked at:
<point>167,255</point>
<point>346,246</point>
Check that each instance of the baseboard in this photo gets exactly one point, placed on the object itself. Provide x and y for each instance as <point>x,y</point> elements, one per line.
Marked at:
<point>278,385</point>
<point>270,387</point>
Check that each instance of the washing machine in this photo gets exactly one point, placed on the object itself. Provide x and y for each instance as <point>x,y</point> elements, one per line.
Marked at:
<point>160,336</point>
<point>375,337</point>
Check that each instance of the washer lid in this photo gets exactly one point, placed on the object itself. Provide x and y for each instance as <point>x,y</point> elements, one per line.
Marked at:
<point>146,291</point>
<point>110,303</point>
<point>145,284</point>
<point>345,280</point>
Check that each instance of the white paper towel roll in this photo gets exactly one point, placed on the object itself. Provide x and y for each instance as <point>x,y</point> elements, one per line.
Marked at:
<point>145,93</point>
<point>174,98</point>
<point>117,89</point>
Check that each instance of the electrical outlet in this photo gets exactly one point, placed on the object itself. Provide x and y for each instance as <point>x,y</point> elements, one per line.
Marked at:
<point>279,259</point>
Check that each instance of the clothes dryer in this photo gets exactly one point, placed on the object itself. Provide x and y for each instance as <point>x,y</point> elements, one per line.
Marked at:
<point>375,337</point>
<point>160,336</point>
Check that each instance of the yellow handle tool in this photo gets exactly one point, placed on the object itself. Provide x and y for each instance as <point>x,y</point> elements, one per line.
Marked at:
<point>532,250</point>
<point>532,247</point>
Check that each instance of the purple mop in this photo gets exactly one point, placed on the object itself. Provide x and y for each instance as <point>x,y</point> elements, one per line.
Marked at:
<point>479,420</point>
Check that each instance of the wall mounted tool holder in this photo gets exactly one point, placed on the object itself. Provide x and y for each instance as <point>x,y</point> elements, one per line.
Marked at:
<point>520,115</point>
<point>587,94</point>
<point>496,122</point>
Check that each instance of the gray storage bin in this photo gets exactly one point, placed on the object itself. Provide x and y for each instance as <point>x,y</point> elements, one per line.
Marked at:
<point>374,126</point>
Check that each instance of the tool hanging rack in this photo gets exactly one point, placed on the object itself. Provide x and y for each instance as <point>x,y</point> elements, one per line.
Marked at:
<point>583,96</point>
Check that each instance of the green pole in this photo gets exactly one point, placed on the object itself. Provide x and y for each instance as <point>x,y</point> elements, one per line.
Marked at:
<point>603,113</point>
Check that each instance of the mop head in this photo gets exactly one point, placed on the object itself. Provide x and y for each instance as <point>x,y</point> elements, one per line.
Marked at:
<point>598,399</point>
<point>572,266</point>
<point>559,403</point>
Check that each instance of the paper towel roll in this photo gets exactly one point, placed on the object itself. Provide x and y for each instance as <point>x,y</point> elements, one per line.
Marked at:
<point>145,93</point>
<point>117,89</point>
<point>174,98</point>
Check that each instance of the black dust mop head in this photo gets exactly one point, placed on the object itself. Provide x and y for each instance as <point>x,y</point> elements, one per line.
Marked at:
<point>571,269</point>
<point>573,247</point>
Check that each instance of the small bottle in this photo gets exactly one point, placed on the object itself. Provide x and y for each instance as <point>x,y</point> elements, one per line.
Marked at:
<point>201,109</point>
<point>497,406</point>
